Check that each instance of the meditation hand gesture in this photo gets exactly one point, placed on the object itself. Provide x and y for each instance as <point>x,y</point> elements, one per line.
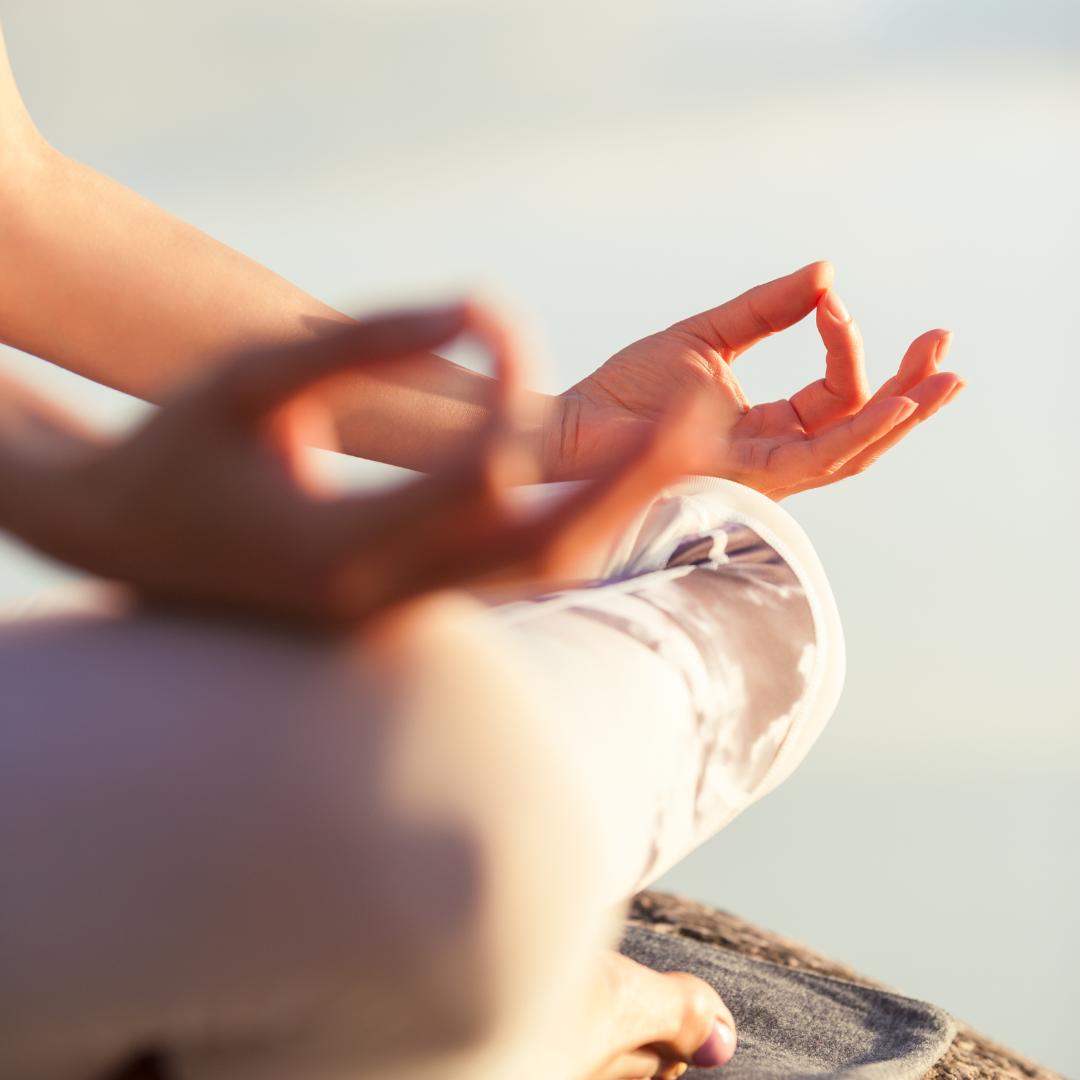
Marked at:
<point>207,504</point>
<point>829,430</point>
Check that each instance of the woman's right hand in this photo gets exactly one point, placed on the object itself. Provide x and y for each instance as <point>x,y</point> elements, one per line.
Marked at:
<point>207,506</point>
<point>822,433</point>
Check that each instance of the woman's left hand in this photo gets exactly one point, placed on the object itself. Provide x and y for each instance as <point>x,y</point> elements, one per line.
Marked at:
<point>207,504</point>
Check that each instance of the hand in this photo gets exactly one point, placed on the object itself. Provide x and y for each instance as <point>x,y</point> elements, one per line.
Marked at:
<point>830,429</point>
<point>207,504</point>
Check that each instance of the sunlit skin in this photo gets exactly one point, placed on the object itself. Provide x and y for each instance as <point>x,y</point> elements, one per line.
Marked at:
<point>207,504</point>
<point>831,429</point>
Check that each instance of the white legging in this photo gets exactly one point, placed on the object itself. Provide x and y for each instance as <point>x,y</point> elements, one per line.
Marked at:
<point>272,856</point>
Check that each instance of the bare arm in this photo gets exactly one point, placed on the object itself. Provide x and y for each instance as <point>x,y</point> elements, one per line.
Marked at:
<point>100,281</point>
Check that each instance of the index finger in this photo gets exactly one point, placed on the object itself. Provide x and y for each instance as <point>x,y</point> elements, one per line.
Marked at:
<point>732,328</point>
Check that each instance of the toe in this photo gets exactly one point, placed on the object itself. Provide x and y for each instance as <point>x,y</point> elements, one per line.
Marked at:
<point>717,1049</point>
<point>705,1034</point>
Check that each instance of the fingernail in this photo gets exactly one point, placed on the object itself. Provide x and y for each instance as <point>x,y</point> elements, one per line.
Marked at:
<point>943,346</point>
<point>957,390</point>
<point>836,307</point>
<point>679,1070</point>
<point>717,1049</point>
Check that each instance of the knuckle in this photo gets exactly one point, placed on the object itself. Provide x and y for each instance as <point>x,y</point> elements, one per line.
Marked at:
<point>760,322</point>
<point>701,336</point>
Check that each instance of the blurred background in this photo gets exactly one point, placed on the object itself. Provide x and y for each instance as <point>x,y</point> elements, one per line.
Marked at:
<point>614,165</point>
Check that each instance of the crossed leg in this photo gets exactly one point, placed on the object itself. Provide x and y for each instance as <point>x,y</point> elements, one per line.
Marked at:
<point>403,855</point>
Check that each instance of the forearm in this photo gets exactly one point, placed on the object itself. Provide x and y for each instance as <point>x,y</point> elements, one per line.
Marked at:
<point>100,281</point>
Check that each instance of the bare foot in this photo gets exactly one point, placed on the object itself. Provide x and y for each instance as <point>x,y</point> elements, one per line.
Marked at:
<point>644,1024</point>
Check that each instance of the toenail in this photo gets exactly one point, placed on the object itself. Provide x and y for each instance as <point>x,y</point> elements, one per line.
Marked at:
<point>717,1048</point>
<point>679,1070</point>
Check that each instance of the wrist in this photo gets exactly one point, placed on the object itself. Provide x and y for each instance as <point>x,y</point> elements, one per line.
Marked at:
<point>552,445</point>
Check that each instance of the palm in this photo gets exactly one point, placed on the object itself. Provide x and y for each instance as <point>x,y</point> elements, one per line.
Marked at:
<point>763,437</point>
<point>827,430</point>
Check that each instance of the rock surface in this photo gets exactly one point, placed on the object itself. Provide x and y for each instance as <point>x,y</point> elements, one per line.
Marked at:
<point>970,1057</point>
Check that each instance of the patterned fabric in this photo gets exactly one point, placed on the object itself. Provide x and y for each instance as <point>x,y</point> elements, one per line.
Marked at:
<point>736,625</point>
<point>733,668</point>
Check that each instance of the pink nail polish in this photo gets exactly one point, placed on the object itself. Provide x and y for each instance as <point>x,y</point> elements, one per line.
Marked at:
<point>836,307</point>
<point>717,1048</point>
